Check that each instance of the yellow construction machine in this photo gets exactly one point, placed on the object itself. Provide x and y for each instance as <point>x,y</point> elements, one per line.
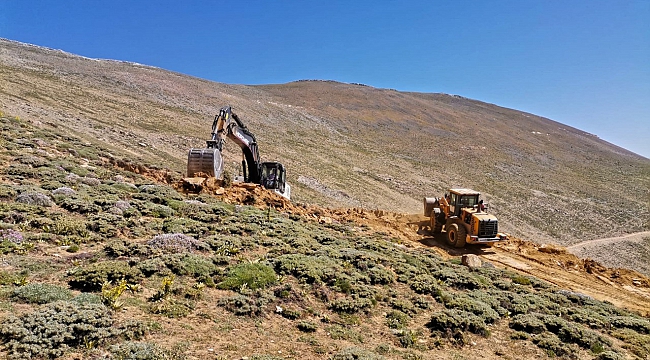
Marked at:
<point>464,217</point>
<point>209,162</point>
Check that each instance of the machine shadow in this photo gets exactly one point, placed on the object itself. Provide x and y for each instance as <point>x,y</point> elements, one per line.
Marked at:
<point>440,241</point>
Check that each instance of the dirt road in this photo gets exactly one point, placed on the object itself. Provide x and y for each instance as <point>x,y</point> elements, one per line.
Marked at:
<point>589,243</point>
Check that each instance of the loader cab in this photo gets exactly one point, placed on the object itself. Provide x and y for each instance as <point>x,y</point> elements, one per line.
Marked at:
<point>273,176</point>
<point>462,198</point>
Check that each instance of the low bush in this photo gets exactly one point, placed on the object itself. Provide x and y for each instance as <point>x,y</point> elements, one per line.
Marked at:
<point>448,323</point>
<point>310,269</point>
<point>425,284</point>
<point>157,194</point>
<point>174,243</point>
<point>130,350</point>
<point>78,203</point>
<point>351,305</point>
<point>636,343</point>
<point>554,346</point>
<point>54,328</point>
<point>463,302</point>
<point>11,235</point>
<point>338,332</point>
<point>34,198</point>
<point>251,305</point>
<point>381,276</point>
<point>40,293</point>
<point>251,275</point>
<point>397,320</point>
<point>193,265</point>
<point>91,277</point>
<point>307,326</point>
<point>120,247</point>
<point>355,353</point>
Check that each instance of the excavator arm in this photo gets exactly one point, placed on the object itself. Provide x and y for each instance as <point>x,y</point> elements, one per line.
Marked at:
<point>227,124</point>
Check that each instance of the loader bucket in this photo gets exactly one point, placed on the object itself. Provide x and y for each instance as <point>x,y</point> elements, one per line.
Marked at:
<point>204,162</point>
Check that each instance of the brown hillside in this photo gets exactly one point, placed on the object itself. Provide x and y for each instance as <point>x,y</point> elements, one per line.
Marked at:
<point>347,145</point>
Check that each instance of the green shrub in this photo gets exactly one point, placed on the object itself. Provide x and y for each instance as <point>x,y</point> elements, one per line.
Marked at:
<point>197,266</point>
<point>120,247</point>
<point>87,298</point>
<point>252,305</point>
<point>91,277</point>
<point>449,322</point>
<point>466,303</point>
<point>407,338</point>
<point>351,305</point>
<point>338,332</point>
<point>521,280</point>
<point>8,278</point>
<point>636,343</point>
<point>459,278</point>
<point>355,353</point>
<point>403,305</point>
<point>310,269</point>
<point>40,293</point>
<point>7,192</point>
<point>553,345</point>
<point>157,194</point>
<point>130,350</point>
<point>173,308</point>
<point>174,243</point>
<point>252,275</point>
<point>307,326</point>
<point>613,355</point>
<point>54,328</point>
<point>529,323</point>
<point>397,320</point>
<point>34,198</point>
<point>425,284</point>
<point>77,203</point>
<point>380,275</point>
<point>639,325</point>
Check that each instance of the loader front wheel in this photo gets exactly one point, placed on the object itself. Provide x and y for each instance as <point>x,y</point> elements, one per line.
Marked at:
<point>456,235</point>
<point>436,225</point>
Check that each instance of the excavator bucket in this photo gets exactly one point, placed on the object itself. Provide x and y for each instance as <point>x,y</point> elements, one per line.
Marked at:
<point>204,162</point>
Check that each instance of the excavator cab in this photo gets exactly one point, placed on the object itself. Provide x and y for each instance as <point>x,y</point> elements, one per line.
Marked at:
<point>274,178</point>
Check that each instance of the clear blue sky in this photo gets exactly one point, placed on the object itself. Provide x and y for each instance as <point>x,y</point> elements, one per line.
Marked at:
<point>583,63</point>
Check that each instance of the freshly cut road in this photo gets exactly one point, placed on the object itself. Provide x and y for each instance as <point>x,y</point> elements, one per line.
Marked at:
<point>585,244</point>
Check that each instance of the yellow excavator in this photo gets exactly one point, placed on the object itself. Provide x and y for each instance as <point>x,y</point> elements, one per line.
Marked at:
<point>209,162</point>
<point>464,217</point>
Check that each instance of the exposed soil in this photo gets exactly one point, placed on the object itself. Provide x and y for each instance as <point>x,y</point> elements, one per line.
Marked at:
<point>553,263</point>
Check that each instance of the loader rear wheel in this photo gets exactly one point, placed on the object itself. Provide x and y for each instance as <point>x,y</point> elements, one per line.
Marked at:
<point>456,235</point>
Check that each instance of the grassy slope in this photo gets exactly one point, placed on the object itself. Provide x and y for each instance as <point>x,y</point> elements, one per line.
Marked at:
<point>349,145</point>
<point>250,282</point>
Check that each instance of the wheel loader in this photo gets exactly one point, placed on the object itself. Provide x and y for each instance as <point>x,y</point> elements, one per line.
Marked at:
<point>209,162</point>
<point>464,217</point>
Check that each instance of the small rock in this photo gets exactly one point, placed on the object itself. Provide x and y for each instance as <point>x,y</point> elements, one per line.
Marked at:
<point>471,261</point>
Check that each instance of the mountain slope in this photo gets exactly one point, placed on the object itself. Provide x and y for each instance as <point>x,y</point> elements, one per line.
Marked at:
<point>348,145</point>
<point>103,259</point>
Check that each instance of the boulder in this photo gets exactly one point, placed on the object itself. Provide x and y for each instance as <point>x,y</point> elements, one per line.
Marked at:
<point>471,261</point>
